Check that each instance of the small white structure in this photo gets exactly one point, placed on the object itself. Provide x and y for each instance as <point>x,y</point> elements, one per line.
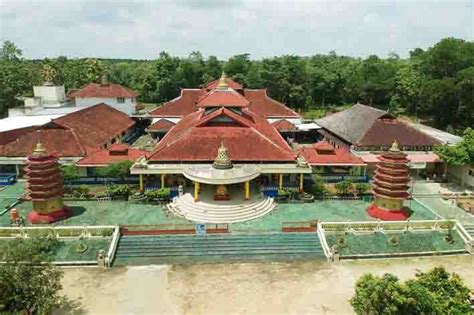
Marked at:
<point>48,99</point>
<point>114,95</point>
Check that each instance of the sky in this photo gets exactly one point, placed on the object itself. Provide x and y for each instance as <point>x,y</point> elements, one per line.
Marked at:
<point>223,28</point>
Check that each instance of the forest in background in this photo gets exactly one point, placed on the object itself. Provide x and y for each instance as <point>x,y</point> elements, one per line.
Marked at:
<point>434,86</point>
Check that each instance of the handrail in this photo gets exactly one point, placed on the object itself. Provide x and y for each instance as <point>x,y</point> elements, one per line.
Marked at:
<point>324,243</point>
<point>464,234</point>
<point>112,247</point>
<point>363,225</point>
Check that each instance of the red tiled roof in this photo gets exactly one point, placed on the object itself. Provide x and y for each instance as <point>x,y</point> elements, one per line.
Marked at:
<point>162,125</point>
<point>60,141</point>
<point>116,153</point>
<point>12,135</point>
<point>337,156</point>
<point>225,97</point>
<point>284,125</point>
<point>99,90</point>
<point>231,83</point>
<point>384,131</point>
<point>262,104</point>
<point>248,137</point>
<point>180,106</point>
<point>363,125</point>
<point>75,134</point>
<point>258,102</point>
<point>91,127</point>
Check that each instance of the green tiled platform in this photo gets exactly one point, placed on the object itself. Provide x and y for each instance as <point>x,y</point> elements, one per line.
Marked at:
<point>378,243</point>
<point>66,249</point>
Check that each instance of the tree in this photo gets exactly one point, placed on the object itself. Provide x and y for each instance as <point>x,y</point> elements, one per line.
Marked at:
<point>434,292</point>
<point>70,172</point>
<point>28,282</point>
<point>9,51</point>
<point>117,170</point>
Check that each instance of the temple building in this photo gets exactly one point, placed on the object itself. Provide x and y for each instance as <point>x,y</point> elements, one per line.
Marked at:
<point>44,187</point>
<point>222,149</point>
<point>257,101</point>
<point>391,186</point>
<point>71,137</point>
<point>368,131</point>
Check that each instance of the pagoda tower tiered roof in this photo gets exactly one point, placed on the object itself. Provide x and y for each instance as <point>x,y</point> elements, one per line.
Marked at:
<point>391,185</point>
<point>44,187</point>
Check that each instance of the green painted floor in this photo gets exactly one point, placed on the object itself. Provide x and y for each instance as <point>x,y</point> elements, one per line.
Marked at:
<point>66,249</point>
<point>122,212</point>
<point>378,243</point>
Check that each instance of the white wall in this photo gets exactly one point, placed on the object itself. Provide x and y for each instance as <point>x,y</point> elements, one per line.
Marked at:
<point>50,95</point>
<point>128,107</point>
<point>457,172</point>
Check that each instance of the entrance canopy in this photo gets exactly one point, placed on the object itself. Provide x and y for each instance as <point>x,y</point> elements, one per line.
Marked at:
<point>207,174</point>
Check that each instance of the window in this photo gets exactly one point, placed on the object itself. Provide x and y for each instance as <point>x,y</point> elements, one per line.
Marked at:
<point>120,99</point>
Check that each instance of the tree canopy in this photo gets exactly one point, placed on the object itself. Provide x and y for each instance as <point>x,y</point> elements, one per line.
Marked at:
<point>27,281</point>
<point>427,85</point>
<point>434,292</point>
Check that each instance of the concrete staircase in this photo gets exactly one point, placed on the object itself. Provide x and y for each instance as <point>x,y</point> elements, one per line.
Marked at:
<point>469,229</point>
<point>203,212</point>
<point>216,248</point>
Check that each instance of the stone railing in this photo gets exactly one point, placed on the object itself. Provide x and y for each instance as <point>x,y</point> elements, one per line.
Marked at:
<point>109,258</point>
<point>324,243</point>
<point>57,231</point>
<point>365,226</point>
<point>468,239</point>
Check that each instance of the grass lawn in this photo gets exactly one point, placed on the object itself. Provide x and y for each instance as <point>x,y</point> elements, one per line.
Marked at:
<point>379,243</point>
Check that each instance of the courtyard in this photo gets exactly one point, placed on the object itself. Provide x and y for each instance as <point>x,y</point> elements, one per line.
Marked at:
<point>127,213</point>
<point>315,287</point>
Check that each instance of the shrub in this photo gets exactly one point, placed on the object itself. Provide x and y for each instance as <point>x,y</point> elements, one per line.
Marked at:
<point>362,188</point>
<point>118,190</point>
<point>70,172</point>
<point>160,193</point>
<point>343,187</point>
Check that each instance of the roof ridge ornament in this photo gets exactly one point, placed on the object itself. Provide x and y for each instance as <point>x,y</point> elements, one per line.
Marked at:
<point>394,147</point>
<point>222,161</point>
<point>223,81</point>
<point>39,149</point>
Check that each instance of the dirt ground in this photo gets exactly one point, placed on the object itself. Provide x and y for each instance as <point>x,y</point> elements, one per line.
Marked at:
<point>271,288</point>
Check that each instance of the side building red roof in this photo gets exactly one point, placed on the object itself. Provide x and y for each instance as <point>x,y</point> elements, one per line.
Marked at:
<point>73,135</point>
<point>323,153</point>
<point>103,90</point>
<point>262,104</point>
<point>116,153</point>
<point>162,125</point>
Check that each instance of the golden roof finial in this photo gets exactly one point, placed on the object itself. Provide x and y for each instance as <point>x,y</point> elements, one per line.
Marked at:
<point>222,160</point>
<point>223,81</point>
<point>39,148</point>
<point>394,147</point>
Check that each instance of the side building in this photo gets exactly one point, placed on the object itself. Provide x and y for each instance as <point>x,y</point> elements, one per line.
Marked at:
<point>71,137</point>
<point>368,131</point>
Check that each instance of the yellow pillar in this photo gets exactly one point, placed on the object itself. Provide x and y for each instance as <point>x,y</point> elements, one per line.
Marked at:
<point>141,182</point>
<point>301,181</point>
<point>162,180</point>
<point>280,182</point>
<point>196,191</point>
<point>247,190</point>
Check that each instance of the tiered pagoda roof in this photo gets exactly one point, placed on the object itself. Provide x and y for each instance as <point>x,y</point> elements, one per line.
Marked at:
<point>257,101</point>
<point>44,179</point>
<point>391,175</point>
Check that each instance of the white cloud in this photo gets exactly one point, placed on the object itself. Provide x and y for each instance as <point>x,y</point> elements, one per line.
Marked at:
<point>141,29</point>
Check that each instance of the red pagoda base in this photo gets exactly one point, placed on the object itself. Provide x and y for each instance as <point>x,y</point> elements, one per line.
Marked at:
<point>38,218</point>
<point>388,215</point>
